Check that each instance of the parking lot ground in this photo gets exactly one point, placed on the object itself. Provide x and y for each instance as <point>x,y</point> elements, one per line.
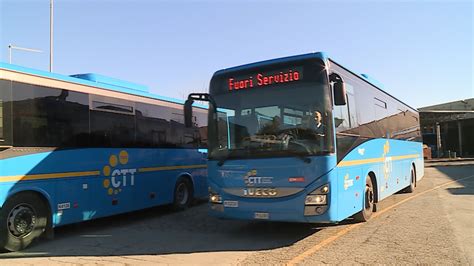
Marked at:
<point>434,225</point>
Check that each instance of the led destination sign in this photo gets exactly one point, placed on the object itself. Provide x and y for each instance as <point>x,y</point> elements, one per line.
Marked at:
<point>265,79</point>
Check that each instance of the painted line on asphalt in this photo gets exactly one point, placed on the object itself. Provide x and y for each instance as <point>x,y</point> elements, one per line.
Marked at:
<point>346,230</point>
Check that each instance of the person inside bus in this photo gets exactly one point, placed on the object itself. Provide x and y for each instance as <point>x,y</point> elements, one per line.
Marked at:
<point>315,124</point>
<point>273,127</point>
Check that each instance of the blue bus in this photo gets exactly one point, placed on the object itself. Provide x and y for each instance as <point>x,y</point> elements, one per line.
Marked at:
<point>76,148</point>
<point>304,139</point>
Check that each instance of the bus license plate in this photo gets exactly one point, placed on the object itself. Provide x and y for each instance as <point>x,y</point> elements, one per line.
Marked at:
<point>262,215</point>
<point>231,203</point>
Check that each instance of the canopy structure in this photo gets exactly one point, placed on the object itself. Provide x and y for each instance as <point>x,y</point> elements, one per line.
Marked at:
<point>447,128</point>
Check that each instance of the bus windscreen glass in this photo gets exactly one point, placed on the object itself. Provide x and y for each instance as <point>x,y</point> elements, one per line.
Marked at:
<point>283,111</point>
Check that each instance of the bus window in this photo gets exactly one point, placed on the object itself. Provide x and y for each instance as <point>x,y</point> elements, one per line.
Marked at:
<point>341,117</point>
<point>292,117</point>
<point>1,120</point>
<point>381,114</point>
<point>354,122</point>
<point>112,123</point>
<point>48,117</point>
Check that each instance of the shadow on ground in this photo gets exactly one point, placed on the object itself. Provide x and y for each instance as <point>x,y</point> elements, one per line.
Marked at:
<point>159,231</point>
<point>460,173</point>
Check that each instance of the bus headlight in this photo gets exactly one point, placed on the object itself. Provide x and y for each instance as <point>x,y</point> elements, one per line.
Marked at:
<point>315,200</point>
<point>318,196</point>
<point>215,198</point>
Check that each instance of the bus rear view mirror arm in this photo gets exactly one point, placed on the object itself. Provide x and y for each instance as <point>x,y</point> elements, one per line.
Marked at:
<point>188,106</point>
<point>339,89</point>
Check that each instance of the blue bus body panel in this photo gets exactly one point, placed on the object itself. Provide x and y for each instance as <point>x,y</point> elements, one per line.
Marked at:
<point>232,175</point>
<point>84,184</point>
<point>389,160</point>
<point>233,172</point>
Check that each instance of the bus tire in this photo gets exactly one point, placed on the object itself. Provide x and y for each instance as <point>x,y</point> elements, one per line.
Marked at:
<point>23,218</point>
<point>411,187</point>
<point>183,194</point>
<point>368,202</point>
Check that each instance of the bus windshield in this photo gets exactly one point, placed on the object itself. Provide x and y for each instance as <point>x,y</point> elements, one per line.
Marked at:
<point>288,120</point>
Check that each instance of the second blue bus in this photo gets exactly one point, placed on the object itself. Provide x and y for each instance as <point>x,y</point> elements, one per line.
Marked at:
<point>305,139</point>
<point>76,148</point>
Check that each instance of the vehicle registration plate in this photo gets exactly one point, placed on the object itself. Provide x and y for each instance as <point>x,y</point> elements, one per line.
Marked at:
<point>231,203</point>
<point>261,215</point>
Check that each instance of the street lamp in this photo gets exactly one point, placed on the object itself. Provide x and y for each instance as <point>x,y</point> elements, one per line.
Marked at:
<point>12,47</point>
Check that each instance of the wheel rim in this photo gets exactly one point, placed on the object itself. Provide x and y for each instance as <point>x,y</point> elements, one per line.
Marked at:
<point>21,220</point>
<point>369,197</point>
<point>182,194</point>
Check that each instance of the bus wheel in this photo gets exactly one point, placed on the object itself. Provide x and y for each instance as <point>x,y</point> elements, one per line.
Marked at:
<point>23,218</point>
<point>183,194</point>
<point>411,187</point>
<point>369,202</point>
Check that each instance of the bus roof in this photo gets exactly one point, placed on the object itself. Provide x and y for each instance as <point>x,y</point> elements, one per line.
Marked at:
<point>317,55</point>
<point>98,81</point>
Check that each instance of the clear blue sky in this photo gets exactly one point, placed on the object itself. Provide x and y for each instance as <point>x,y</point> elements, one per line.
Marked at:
<point>422,51</point>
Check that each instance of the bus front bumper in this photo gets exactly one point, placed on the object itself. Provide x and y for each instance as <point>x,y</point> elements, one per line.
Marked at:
<point>284,210</point>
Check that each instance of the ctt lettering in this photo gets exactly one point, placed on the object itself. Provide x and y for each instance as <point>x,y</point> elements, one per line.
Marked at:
<point>120,177</point>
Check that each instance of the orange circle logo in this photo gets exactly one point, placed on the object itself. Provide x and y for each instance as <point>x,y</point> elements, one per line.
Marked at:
<point>113,160</point>
<point>123,157</point>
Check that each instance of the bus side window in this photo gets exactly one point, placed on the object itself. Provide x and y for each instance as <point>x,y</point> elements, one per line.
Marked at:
<point>1,120</point>
<point>341,117</point>
<point>345,115</point>
<point>354,122</point>
<point>346,123</point>
<point>6,118</point>
<point>381,113</point>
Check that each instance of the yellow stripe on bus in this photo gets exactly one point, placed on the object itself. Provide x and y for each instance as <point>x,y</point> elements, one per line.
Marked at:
<point>90,173</point>
<point>405,157</point>
<point>47,176</point>
<point>163,168</point>
<point>375,160</point>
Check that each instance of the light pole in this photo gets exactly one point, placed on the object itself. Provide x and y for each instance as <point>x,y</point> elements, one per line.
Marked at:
<point>12,47</point>
<point>51,13</point>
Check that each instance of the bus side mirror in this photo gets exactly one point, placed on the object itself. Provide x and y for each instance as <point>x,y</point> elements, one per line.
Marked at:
<point>339,89</point>
<point>188,106</point>
<point>188,113</point>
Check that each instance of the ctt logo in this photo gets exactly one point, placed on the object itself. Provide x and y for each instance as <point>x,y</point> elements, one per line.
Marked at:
<point>251,179</point>
<point>387,161</point>
<point>117,177</point>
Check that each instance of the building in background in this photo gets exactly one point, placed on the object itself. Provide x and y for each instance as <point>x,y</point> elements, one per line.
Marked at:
<point>448,128</point>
